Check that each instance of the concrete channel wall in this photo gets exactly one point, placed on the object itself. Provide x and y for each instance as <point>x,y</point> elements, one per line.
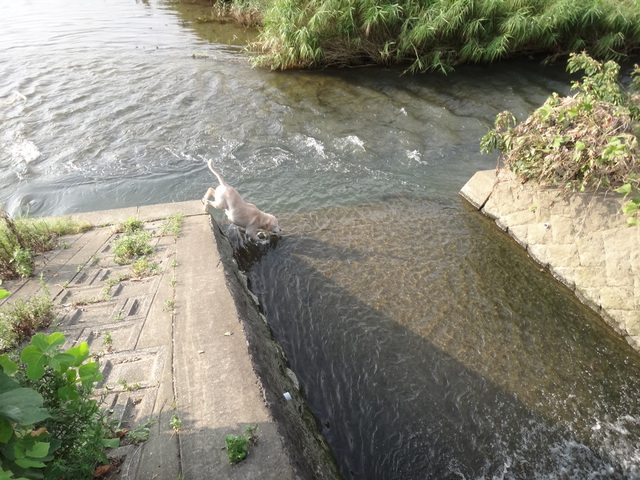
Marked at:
<point>582,238</point>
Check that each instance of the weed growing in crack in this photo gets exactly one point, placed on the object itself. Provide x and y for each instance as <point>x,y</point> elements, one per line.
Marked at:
<point>175,423</point>
<point>173,224</point>
<point>238,446</point>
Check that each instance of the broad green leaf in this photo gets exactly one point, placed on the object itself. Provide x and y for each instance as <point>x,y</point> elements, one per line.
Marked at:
<point>630,208</point>
<point>6,430</point>
<point>22,405</point>
<point>90,372</point>
<point>625,189</point>
<point>39,450</point>
<point>3,293</point>
<point>7,383</point>
<point>36,360</point>
<point>68,393</point>
<point>8,366</point>
<point>28,463</point>
<point>72,375</point>
<point>110,442</point>
<point>56,339</point>
<point>80,352</point>
<point>60,362</point>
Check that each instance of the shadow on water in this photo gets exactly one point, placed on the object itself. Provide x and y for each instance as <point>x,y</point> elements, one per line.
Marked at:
<point>415,372</point>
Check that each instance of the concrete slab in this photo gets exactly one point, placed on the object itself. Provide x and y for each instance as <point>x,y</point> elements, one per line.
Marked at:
<point>478,189</point>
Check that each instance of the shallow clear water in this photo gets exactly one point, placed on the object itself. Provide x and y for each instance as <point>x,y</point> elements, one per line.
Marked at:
<point>428,344</point>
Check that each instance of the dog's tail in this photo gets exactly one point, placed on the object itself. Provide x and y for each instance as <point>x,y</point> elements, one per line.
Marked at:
<point>216,173</point>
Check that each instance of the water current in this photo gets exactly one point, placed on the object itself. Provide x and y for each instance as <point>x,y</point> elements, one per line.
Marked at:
<point>427,343</point>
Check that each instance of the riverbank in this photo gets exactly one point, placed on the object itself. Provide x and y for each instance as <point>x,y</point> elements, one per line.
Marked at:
<point>581,238</point>
<point>184,352</point>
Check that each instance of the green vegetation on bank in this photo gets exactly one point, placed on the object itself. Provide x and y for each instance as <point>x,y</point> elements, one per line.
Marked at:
<point>580,142</point>
<point>22,319</point>
<point>50,426</point>
<point>439,34</point>
<point>21,239</point>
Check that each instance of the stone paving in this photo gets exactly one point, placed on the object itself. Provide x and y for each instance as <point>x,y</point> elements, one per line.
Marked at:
<point>171,347</point>
<point>582,238</point>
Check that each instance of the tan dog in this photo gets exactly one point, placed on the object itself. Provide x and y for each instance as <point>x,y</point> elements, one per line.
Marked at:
<point>238,211</point>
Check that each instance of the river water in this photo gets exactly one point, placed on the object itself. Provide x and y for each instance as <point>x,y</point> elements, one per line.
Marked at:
<point>427,343</point>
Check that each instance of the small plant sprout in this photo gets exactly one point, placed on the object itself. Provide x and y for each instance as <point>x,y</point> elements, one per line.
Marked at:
<point>144,268</point>
<point>170,306</point>
<point>107,340</point>
<point>23,261</point>
<point>175,422</point>
<point>140,433</point>
<point>173,224</point>
<point>128,387</point>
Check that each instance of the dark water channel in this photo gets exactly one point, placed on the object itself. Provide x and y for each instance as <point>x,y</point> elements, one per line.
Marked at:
<point>427,343</point>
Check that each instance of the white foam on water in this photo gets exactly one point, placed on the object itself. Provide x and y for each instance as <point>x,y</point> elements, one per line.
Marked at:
<point>416,156</point>
<point>23,150</point>
<point>316,145</point>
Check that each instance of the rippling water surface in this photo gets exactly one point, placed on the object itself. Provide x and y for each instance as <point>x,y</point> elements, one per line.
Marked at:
<point>427,343</point>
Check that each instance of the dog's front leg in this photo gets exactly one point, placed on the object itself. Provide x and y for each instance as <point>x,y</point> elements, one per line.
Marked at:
<point>205,200</point>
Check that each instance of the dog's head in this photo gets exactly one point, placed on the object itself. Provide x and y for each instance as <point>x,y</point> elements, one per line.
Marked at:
<point>271,223</point>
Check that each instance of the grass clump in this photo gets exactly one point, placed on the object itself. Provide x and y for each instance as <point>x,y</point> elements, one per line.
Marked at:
<point>130,226</point>
<point>19,321</point>
<point>585,141</point>
<point>439,34</point>
<point>131,247</point>
<point>21,239</point>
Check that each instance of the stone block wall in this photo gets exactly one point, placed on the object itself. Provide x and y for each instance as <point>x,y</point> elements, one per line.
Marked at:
<point>582,238</point>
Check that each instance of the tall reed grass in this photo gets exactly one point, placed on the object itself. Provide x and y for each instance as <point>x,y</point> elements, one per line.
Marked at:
<point>439,34</point>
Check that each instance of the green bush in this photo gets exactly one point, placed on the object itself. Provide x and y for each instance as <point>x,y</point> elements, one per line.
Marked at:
<point>50,427</point>
<point>585,141</point>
